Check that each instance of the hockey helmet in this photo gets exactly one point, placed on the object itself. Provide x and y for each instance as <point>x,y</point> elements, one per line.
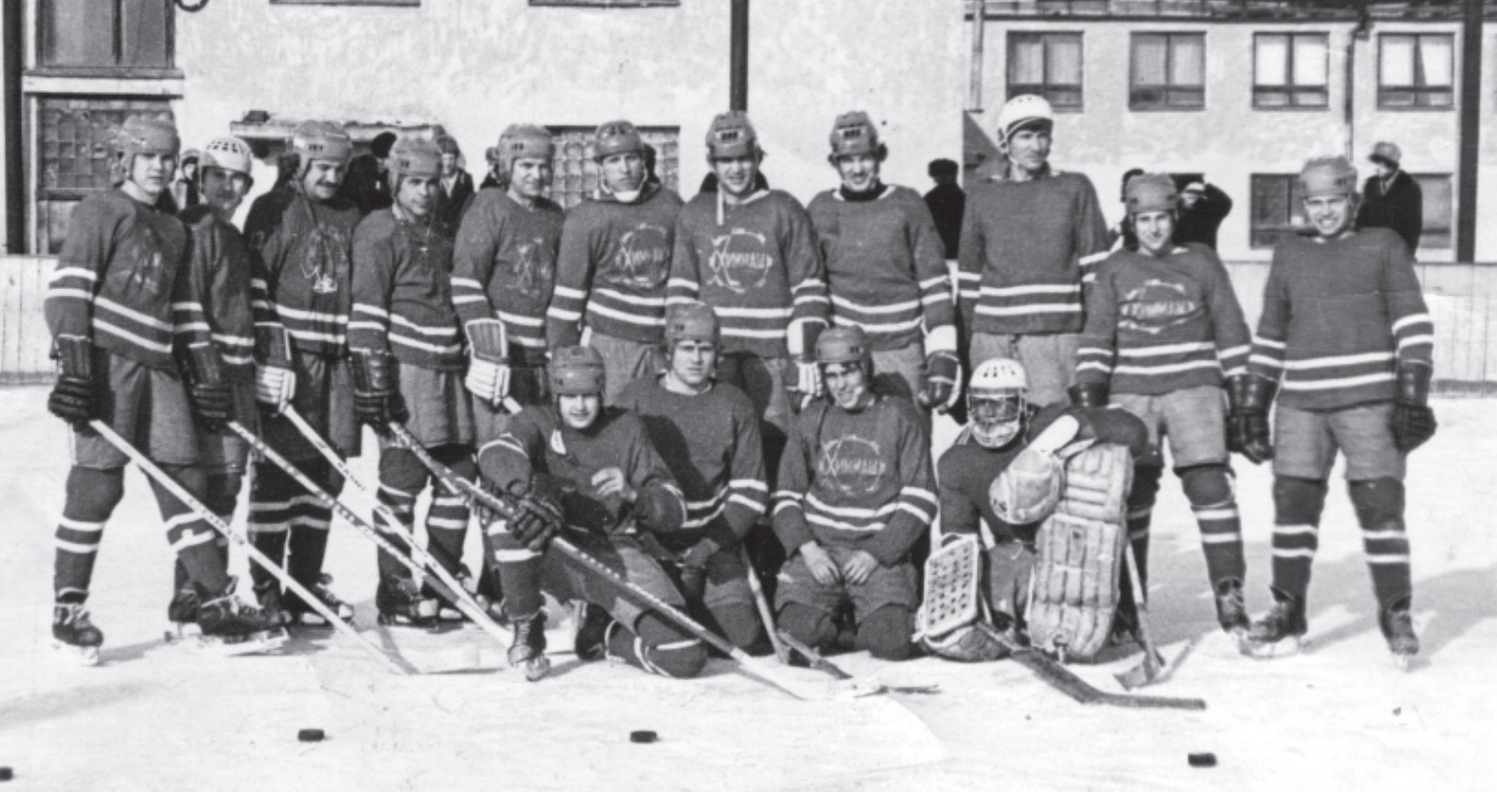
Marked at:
<point>576,371</point>
<point>524,141</point>
<point>690,321</point>
<point>448,145</point>
<point>1150,192</point>
<point>854,133</point>
<point>844,344</point>
<point>1022,111</point>
<point>415,157</point>
<point>228,153</point>
<point>996,401</point>
<point>190,155</point>
<point>319,140</point>
<point>1328,176</point>
<point>732,135</point>
<point>141,134</point>
<point>617,137</point>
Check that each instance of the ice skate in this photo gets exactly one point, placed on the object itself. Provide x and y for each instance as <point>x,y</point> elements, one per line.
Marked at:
<point>301,613</point>
<point>400,603</point>
<point>232,627</point>
<point>73,635</point>
<point>1231,611</point>
<point>529,647</point>
<point>1397,624</point>
<point>589,640</point>
<point>268,594</point>
<point>1280,632</point>
<point>182,613</point>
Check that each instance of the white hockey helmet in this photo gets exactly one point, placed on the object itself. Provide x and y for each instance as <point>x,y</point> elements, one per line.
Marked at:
<point>1021,111</point>
<point>996,399</point>
<point>227,153</point>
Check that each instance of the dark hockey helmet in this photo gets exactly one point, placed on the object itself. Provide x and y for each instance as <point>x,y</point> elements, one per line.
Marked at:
<point>844,344</point>
<point>319,140</point>
<point>524,141</point>
<point>732,135</point>
<point>617,137</point>
<point>141,134</point>
<point>1328,176</point>
<point>413,157</point>
<point>694,321</point>
<point>576,371</point>
<point>854,133</point>
<point>1150,192</point>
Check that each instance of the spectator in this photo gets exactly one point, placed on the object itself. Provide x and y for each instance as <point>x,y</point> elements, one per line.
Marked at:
<point>454,188</point>
<point>1124,231</point>
<point>364,185</point>
<point>946,202</point>
<point>1203,206</point>
<point>1391,198</point>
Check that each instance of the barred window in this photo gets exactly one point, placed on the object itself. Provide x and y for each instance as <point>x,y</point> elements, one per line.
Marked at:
<point>577,173</point>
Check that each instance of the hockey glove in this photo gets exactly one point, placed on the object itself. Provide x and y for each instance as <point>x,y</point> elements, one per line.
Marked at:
<point>940,381</point>
<point>212,397</point>
<point>487,380</point>
<point>72,398</point>
<point>694,568</point>
<point>1247,418</point>
<point>275,379</point>
<point>1088,394</point>
<point>1413,420</point>
<point>802,381</point>
<point>538,513</point>
<point>376,401</point>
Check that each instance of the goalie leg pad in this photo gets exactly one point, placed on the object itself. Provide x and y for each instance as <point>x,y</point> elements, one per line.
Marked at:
<point>1080,550</point>
<point>966,645</point>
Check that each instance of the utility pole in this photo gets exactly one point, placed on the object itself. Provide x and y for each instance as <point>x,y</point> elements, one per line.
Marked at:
<point>738,54</point>
<point>1470,109</point>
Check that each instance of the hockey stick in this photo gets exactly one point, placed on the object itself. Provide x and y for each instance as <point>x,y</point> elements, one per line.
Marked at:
<point>762,604</point>
<point>477,495</point>
<point>445,584</point>
<point>160,477</point>
<point>1150,667</point>
<point>1059,677</point>
<point>863,688</point>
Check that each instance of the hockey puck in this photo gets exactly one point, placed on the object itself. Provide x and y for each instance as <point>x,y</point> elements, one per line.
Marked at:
<point>6,774</point>
<point>310,735</point>
<point>1202,760</point>
<point>642,736</point>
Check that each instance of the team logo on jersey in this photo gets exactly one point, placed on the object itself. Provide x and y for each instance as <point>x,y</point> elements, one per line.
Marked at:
<point>644,256</point>
<point>533,267</point>
<point>147,270</point>
<point>324,258</point>
<point>557,446</point>
<point>851,465</point>
<point>739,270</point>
<point>1157,306</point>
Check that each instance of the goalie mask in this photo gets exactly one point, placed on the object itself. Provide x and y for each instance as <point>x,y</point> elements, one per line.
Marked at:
<point>996,402</point>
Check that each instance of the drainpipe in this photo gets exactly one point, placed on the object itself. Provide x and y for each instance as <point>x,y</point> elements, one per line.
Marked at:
<point>1362,32</point>
<point>974,82</point>
<point>738,55</point>
<point>15,164</point>
<point>1470,109</point>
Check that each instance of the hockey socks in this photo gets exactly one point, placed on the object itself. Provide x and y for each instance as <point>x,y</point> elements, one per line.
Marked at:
<point>1296,533</point>
<point>91,496</point>
<point>195,542</point>
<point>1140,515</point>
<point>221,498</point>
<point>658,647</point>
<point>1379,504</point>
<point>1209,489</point>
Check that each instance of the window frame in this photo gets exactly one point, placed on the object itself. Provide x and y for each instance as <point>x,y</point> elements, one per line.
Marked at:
<point>1257,233</point>
<point>1290,89</point>
<point>1421,93</point>
<point>117,69</point>
<point>1443,236</point>
<point>1135,104</point>
<point>1046,88</point>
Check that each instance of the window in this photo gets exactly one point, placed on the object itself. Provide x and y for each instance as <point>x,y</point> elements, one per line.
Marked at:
<point>105,35</point>
<point>1278,209</point>
<point>75,135</point>
<point>1439,207</point>
<point>1289,70</point>
<point>1047,64</point>
<point>577,173</point>
<point>1168,71</point>
<point>1416,70</point>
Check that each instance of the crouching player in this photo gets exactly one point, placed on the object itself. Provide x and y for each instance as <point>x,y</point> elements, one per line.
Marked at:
<point>1002,425</point>
<point>576,462</point>
<point>708,434</point>
<point>853,496</point>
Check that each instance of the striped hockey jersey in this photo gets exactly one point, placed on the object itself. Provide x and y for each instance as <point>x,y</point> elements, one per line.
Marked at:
<point>1156,324</point>
<point>504,267</point>
<point>539,441</point>
<point>228,299</point>
<point>759,269</point>
<point>1339,317</point>
<point>121,271</point>
<point>305,249</point>
<point>1026,249</point>
<point>711,443</point>
<point>402,292</point>
<point>612,268</point>
<point>856,479</point>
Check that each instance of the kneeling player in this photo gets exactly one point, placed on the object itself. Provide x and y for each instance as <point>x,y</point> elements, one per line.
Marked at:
<point>853,497</point>
<point>592,467</point>
<point>708,434</point>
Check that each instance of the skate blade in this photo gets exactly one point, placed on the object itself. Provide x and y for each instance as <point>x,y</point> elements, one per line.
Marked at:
<point>85,656</point>
<point>1286,647</point>
<point>254,643</point>
<point>182,631</point>
<point>1402,661</point>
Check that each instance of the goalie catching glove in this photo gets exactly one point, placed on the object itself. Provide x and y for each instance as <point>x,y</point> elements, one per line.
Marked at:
<point>1028,490</point>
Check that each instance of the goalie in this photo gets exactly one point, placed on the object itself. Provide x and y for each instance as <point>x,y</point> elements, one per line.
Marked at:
<point>999,481</point>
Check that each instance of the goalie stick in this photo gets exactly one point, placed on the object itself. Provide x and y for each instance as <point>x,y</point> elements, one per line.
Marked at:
<point>475,494</point>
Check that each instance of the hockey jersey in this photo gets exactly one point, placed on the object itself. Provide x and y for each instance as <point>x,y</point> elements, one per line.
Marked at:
<point>305,250</point>
<point>1156,324</point>
<point>612,268</point>
<point>539,441</point>
<point>1026,248</point>
<point>856,479</point>
<point>504,267</point>
<point>1339,317</point>
<point>759,268</point>
<point>228,300</point>
<point>711,443</point>
<point>120,274</point>
<point>885,265</point>
<point>402,292</point>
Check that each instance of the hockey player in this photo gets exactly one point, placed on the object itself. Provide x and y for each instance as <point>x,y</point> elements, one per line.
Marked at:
<point>300,241</point>
<point>1164,335</point>
<point>408,367</point>
<point>1346,334</point>
<point>708,434</point>
<point>853,496</point>
<point>591,467</point>
<point>1029,241</point>
<point>231,305</point>
<point>1002,423</point>
<point>614,260</point>
<point>886,268</point>
<point>110,309</point>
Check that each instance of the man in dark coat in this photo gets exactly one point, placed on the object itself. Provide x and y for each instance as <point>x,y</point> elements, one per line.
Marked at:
<point>1203,207</point>
<point>946,202</point>
<point>1391,198</point>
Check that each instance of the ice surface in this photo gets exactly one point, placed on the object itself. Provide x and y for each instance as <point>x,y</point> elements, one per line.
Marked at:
<point>158,717</point>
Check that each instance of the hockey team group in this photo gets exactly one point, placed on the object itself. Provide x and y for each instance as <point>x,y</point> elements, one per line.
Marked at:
<point>725,404</point>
